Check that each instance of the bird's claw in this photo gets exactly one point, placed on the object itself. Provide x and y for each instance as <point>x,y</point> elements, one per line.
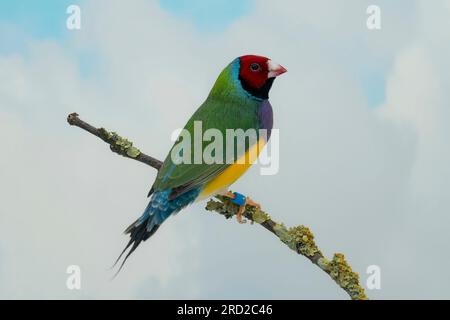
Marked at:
<point>239,215</point>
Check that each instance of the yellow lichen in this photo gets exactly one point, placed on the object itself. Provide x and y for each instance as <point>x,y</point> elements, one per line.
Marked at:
<point>121,145</point>
<point>304,241</point>
<point>282,232</point>
<point>323,263</point>
<point>343,274</point>
<point>301,240</point>
<point>260,216</point>
<point>133,152</point>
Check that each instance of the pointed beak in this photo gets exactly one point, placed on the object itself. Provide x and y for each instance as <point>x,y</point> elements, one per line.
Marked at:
<point>275,69</point>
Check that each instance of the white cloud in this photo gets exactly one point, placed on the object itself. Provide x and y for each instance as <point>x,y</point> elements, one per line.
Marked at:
<point>372,184</point>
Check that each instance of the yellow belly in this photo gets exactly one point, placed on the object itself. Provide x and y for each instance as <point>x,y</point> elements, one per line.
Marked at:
<point>221,183</point>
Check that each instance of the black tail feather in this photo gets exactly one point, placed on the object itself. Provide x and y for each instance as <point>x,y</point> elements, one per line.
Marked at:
<point>138,233</point>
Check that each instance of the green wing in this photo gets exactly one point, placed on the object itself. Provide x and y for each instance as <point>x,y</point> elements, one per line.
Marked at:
<point>214,113</point>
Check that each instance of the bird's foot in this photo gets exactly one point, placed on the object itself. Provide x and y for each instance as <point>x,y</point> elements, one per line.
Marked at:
<point>241,201</point>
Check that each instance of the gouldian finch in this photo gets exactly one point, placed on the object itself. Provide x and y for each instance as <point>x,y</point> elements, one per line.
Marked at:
<point>238,100</point>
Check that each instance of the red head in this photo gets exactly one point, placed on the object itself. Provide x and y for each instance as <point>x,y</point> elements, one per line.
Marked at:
<point>257,74</point>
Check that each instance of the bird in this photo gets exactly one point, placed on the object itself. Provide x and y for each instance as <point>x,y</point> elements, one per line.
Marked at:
<point>239,99</point>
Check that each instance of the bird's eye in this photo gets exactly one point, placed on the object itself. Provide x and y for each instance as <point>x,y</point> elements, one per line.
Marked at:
<point>255,67</point>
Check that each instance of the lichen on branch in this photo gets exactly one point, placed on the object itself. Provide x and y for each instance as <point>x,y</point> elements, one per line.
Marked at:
<point>299,239</point>
<point>117,144</point>
<point>120,145</point>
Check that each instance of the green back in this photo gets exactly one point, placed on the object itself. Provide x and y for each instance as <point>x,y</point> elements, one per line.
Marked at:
<point>228,106</point>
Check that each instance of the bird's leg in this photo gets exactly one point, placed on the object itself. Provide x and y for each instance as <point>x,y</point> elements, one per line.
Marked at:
<point>239,214</point>
<point>242,201</point>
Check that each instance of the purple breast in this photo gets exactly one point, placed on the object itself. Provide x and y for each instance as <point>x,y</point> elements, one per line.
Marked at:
<point>265,116</point>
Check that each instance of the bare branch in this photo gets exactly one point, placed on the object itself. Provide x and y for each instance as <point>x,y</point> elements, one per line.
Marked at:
<point>300,239</point>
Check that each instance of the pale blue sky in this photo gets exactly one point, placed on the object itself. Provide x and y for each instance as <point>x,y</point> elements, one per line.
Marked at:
<point>44,19</point>
<point>209,15</point>
<point>38,18</point>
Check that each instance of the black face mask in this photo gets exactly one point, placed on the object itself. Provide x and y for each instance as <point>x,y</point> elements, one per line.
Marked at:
<point>263,92</point>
